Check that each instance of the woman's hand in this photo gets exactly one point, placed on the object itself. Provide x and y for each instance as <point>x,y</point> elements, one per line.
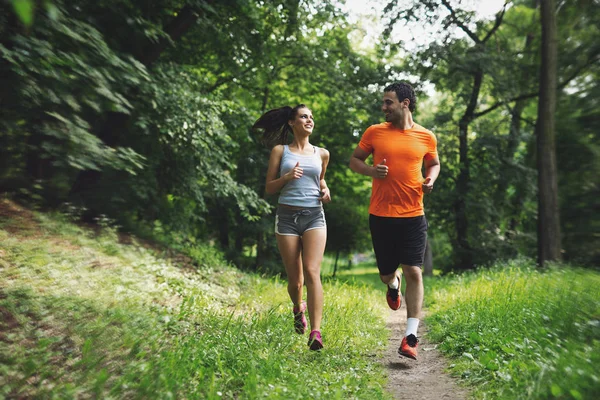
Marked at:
<point>325,196</point>
<point>294,173</point>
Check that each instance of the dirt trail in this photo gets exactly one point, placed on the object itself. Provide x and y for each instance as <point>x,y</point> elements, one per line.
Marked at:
<point>423,379</point>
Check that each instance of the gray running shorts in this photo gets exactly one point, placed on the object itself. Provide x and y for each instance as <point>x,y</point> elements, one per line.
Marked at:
<point>291,222</point>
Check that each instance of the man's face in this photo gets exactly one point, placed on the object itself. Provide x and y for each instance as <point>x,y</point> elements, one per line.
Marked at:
<point>392,108</point>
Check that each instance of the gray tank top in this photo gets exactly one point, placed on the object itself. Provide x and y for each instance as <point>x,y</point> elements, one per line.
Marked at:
<point>303,192</point>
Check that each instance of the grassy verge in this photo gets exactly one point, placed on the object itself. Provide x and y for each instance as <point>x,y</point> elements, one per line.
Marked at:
<point>518,333</point>
<point>84,316</point>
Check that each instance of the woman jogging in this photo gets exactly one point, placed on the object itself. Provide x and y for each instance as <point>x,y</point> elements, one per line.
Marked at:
<point>297,171</point>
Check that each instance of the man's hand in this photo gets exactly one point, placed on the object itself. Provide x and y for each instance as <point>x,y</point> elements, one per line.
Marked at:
<point>427,185</point>
<point>381,170</point>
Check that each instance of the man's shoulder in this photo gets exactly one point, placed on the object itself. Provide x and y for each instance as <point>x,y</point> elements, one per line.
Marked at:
<point>421,129</point>
<point>378,127</point>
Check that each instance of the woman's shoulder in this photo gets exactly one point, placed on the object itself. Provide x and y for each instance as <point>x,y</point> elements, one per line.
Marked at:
<point>324,153</point>
<point>277,152</point>
<point>277,149</point>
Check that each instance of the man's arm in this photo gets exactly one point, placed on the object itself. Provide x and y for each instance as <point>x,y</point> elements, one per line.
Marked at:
<point>432,170</point>
<point>357,164</point>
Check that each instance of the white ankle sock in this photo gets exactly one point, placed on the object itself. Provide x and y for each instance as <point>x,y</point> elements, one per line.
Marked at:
<point>412,324</point>
<point>394,284</point>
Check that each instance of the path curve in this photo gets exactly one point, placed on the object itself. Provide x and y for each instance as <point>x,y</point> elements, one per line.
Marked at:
<point>423,379</point>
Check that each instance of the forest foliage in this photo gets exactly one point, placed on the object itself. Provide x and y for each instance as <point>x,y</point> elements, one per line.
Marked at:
<point>141,111</point>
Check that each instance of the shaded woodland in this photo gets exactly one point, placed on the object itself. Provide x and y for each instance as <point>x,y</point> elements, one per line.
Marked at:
<point>139,113</point>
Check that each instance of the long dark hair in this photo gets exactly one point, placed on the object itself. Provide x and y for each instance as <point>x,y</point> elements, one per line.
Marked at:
<point>273,128</point>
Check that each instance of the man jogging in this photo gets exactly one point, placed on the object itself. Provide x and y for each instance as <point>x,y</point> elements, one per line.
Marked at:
<point>400,148</point>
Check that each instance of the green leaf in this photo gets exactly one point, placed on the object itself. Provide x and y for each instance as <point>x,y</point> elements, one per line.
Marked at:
<point>474,337</point>
<point>52,10</point>
<point>576,395</point>
<point>556,390</point>
<point>24,9</point>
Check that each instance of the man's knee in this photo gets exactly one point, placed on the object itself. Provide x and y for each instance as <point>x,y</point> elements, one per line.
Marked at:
<point>387,278</point>
<point>412,273</point>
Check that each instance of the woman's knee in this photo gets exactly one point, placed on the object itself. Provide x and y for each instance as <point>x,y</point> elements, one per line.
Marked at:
<point>311,277</point>
<point>295,283</point>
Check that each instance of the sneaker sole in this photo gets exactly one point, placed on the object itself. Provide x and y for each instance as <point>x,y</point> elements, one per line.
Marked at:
<point>315,345</point>
<point>406,355</point>
<point>399,305</point>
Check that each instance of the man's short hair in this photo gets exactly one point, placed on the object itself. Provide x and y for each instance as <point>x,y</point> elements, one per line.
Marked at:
<point>403,91</point>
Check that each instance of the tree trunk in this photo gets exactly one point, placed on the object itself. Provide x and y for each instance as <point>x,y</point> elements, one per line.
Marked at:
<point>428,262</point>
<point>239,235</point>
<point>465,256</point>
<point>510,211</point>
<point>549,241</point>
<point>261,243</point>
<point>335,265</point>
<point>260,250</point>
<point>224,231</point>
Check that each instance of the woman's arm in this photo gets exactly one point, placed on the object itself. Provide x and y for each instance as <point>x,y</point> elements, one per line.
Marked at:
<point>325,194</point>
<point>274,184</point>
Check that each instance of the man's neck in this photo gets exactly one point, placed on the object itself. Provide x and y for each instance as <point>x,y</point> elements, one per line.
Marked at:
<point>404,123</point>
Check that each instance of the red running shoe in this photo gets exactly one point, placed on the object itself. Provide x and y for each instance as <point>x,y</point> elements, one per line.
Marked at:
<point>300,322</point>
<point>408,347</point>
<point>394,298</point>
<point>314,340</point>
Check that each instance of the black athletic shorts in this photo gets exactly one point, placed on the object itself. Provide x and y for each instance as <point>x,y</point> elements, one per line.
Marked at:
<point>398,241</point>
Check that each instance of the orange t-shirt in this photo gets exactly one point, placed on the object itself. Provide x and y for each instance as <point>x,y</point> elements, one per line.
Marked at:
<point>400,193</point>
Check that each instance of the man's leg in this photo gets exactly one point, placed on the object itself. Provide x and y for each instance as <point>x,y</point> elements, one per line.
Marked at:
<point>384,247</point>
<point>414,291</point>
<point>388,279</point>
<point>393,282</point>
<point>414,301</point>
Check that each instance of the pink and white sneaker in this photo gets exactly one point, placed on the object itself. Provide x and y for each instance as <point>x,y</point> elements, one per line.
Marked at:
<point>300,322</point>
<point>315,342</point>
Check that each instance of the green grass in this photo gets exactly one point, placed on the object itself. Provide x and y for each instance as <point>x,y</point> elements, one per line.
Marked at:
<point>519,333</point>
<point>84,316</point>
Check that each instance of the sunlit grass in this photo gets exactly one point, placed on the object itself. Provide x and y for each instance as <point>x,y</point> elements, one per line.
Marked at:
<point>519,333</point>
<point>85,316</point>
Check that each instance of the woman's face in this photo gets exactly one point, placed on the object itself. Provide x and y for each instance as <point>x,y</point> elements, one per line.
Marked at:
<point>303,122</point>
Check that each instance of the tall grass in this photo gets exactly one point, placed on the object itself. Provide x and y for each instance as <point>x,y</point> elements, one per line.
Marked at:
<point>84,316</point>
<point>516,332</point>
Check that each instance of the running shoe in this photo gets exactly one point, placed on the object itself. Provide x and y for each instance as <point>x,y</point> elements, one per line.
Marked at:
<point>408,347</point>
<point>300,322</point>
<point>314,340</point>
<point>394,298</point>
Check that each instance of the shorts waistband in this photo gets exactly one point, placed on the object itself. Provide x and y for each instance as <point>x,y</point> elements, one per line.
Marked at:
<point>285,207</point>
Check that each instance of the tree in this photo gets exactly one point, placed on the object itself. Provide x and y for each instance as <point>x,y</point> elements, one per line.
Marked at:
<point>470,65</point>
<point>549,240</point>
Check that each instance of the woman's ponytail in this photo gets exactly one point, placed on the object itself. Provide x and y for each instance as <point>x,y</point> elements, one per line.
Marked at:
<point>273,127</point>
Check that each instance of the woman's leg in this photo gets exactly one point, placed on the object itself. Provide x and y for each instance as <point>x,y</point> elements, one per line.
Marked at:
<point>290,248</point>
<point>313,247</point>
